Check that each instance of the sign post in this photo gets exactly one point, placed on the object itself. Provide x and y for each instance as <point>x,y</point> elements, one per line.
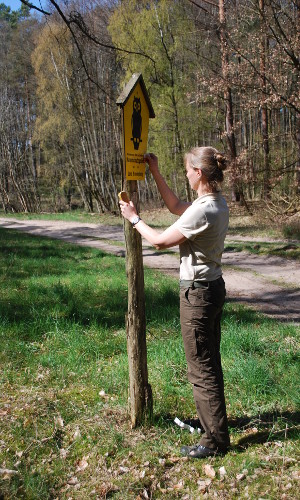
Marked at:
<point>136,109</point>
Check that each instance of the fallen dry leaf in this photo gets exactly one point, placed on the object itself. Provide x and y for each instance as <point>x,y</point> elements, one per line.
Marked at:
<point>251,430</point>
<point>222,472</point>
<point>278,444</point>
<point>240,477</point>
<point>179,485</point>
<point>289,460</point>
<point>288,486</point>
<point>209,470</point>
<point>77,433</point>
<point>105,396</point>
<point>82,465</point>
<point>26,422</point>
<point>123,470</point>
<point>63,453</point>
<point>160,488</point>
<point>73,480</point>
<point>9,472</point>
<point>107,488</point>
<point>59,422</point>
<point>296,474</point>
<point>204,484</point>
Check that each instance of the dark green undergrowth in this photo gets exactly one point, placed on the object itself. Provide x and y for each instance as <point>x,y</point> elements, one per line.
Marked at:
<point>292,230</point>
<point>65,428</point>
<point>286,250</point>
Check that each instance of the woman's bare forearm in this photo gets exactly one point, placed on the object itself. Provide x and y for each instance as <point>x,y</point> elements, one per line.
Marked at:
<point>169,238</point>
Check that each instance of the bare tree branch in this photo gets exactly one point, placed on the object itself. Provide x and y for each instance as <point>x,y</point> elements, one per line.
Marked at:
<point>288,50</point>
<point>76,18</point>
<point>31,6</point>
<point>259,74</point>
<point>205,1</point>
<point>199,6</point>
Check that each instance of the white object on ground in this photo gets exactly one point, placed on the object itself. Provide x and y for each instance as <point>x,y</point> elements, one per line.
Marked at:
<point>182,425</point>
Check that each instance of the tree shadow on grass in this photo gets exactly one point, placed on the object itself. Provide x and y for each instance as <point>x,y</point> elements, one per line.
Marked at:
<point>240,314</point>
<point>236,312</point>
<point>23,256</point>
<point>266,428</point>
<point>82,305</point>
<point>58,298</point>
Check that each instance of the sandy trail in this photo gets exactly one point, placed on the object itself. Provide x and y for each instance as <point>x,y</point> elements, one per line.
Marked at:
<point>270,284</point>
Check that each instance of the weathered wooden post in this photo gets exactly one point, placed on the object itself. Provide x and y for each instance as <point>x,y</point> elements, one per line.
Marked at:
<point>136,109</point>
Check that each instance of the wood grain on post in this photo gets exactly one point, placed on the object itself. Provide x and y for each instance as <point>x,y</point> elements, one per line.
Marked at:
<point>141,403</point>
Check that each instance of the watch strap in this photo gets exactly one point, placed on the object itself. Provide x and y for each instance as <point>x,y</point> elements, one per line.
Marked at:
<point>135,220</point>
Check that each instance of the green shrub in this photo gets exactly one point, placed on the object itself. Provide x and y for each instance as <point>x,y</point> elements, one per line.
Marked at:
<point>292,230</point>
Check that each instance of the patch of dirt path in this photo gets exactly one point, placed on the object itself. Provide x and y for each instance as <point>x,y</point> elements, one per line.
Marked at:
<point>270,284</point>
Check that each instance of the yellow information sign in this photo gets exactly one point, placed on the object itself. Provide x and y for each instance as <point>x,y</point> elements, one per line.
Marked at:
<point>136,123</point>
<point>136,111</point>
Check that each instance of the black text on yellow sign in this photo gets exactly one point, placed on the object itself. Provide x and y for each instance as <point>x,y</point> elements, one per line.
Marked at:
<point>136,123</point>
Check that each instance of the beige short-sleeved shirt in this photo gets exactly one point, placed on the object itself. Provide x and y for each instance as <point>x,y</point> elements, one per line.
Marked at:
<point>205,225</point>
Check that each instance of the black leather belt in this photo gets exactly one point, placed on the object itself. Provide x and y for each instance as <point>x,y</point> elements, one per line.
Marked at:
<point>193,284</point>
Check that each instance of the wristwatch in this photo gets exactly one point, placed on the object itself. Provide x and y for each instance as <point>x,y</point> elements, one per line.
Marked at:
<point>135,220</point>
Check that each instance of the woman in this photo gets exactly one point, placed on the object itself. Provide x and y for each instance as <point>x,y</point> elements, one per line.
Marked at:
<point>200,233</point>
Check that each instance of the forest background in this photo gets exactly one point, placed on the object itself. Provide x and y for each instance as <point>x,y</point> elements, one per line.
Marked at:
<point>221,73</point>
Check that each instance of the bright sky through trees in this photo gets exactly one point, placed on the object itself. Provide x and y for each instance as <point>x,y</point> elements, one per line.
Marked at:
<point>16,4</point>
<point>13,4</point>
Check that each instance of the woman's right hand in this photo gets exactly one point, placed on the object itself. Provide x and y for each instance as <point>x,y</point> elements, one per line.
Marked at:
<point>152,161</point>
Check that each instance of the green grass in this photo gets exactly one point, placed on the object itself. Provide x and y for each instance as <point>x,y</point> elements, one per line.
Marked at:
<point>64,425</point>
<point>70,216</point>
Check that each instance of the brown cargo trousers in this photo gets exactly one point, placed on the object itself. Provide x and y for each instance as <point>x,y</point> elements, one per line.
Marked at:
<point>200,315</point>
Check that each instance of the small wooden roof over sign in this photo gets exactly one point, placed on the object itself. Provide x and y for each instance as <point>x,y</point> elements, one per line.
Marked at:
<point>125,94</point>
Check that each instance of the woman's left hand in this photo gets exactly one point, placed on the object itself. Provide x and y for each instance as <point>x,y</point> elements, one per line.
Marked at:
<point>128,210</point>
